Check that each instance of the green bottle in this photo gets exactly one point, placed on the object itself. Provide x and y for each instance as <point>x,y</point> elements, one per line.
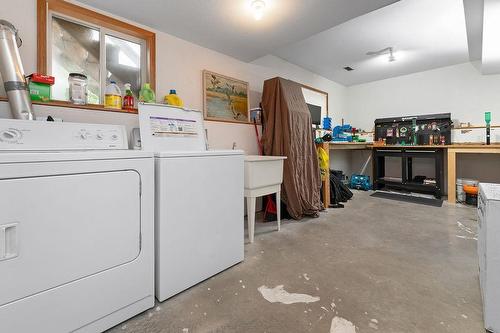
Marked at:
<point>147,95</point>
<point>487,119</point>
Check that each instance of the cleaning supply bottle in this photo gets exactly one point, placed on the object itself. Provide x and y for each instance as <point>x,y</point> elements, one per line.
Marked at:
<point>113,96</point>
<point>128,99</point>
<point>487,119</point>
<point>147,94</point>
<point>173,99</point>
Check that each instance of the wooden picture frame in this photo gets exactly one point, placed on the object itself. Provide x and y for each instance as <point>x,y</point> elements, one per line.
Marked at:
<point>225,98</point>
<point>304,86</point>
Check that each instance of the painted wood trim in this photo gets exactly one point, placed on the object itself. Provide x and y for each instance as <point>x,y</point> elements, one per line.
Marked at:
<point>41,15</point>
<point>98,19</point>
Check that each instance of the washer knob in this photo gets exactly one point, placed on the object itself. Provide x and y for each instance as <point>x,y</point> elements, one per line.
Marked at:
<point>84,135</point>
<point>10,135</point>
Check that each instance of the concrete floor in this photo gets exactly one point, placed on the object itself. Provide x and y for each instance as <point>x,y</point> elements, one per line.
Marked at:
<point>384,266</point>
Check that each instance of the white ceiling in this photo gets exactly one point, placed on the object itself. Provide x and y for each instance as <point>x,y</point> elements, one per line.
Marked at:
<point>322,36</point>
<point>426,34</point>
<point>228,26</point>
<point>474,14</point>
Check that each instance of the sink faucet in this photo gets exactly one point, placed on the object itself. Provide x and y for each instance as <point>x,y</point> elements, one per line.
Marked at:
<point>234,145</point>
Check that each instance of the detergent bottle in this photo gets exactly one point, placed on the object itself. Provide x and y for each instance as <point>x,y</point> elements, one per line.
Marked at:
<point>128,99</point>
<point>173,99</point>
<point>147,94</point>
<point>113,96</point>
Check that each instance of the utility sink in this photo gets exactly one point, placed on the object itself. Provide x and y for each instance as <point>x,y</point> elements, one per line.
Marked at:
<point>263,176</point>
<point>263,171</point>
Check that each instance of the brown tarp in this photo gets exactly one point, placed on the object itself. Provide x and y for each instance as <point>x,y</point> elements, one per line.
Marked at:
<point>288,132</point>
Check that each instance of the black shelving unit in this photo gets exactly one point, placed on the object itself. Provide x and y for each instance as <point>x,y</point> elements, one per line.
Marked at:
<point>410,138</point>
<point>407,154</point>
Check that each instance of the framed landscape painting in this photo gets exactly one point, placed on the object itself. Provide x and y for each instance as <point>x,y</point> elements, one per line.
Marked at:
<point>225,98</point>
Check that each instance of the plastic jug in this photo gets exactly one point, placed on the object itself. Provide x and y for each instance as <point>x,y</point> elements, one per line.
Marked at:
<point>147,94</point>
<point>113,96</point>
<point>173,99</point>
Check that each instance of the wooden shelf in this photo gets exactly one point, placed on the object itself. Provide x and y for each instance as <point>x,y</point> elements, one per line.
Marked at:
<point>471,127</point>
<point>65,104</point>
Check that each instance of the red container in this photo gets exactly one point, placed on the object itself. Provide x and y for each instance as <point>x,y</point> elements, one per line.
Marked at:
<point>128,102</point>
<point>39,78</point>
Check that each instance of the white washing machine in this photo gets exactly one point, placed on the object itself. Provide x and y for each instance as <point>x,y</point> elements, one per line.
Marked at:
<point>199,199</point>
<point>76,227</point>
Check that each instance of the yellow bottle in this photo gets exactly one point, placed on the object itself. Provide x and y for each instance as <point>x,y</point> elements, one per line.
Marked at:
<point>173,99</point>
<point>113,96</point>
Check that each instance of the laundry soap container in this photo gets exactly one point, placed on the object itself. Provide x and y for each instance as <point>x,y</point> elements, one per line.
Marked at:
<point>113,96</point>
<point>173,99</point>
<point>147,95</point>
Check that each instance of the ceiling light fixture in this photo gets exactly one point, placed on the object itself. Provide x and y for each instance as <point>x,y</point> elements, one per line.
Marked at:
<point>387,50</point>
<point>258,7</point>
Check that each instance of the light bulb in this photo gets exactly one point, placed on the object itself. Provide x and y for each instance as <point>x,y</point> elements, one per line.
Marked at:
<point>258,9</point>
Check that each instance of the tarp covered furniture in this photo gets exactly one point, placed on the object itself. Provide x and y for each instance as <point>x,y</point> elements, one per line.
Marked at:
<point>288,132</point>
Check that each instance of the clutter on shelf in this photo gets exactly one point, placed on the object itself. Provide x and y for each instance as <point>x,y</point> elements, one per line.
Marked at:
<point>128,98</point>
<point>146,94</point>
<point>113,96</point>
<point>40,87</point>
<point>78,88</point>
<point>173,99</point>
<point>433,129</point>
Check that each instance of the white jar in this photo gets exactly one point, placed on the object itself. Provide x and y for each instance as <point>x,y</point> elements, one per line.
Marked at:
<point>77,88</point>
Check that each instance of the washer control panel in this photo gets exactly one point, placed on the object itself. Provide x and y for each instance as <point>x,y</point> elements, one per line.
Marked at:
<point>40,135</point>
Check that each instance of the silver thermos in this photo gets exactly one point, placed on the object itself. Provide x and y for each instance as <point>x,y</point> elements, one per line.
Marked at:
<point>11,69</point>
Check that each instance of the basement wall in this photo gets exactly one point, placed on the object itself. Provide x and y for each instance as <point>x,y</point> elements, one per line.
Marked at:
<point>179,66</point>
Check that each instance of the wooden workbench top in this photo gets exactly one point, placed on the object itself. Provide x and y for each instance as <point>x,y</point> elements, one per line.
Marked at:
<point>454,146</point>
<point>366,145</point>
<point>474,145</point>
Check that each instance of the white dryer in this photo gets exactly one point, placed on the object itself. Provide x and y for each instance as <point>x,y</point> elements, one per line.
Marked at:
<point>76,228</point>
<point>199,199</point>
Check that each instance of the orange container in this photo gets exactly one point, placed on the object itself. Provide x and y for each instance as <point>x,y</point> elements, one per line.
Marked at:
<point>470,189</point>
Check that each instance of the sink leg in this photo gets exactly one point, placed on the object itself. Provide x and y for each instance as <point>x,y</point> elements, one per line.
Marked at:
<point>251,217</point>
<point>278,209</point>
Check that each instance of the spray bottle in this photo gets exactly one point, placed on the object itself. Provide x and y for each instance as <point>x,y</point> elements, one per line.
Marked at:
<point>487,119</point>
<point>128,99</point>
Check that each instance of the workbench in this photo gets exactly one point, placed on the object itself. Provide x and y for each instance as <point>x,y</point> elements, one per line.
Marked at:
<point>450,152</point>
<point>407,154</point>
<point>464,148</point>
